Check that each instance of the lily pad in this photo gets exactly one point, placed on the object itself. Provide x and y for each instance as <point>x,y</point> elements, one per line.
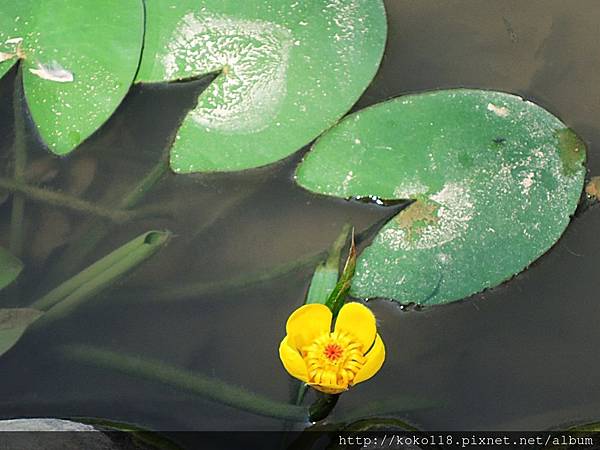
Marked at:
<point>289,70</point>
<point>10,268</point>
<point>494,179</point>
<point>78,61</point>
<point>13,323</point>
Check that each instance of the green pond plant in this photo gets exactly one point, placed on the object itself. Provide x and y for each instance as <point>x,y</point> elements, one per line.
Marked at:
<point>493,180</point>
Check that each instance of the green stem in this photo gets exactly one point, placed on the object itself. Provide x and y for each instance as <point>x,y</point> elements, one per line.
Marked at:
<point>20,163</point>
<point>337,298</point>
<point>146,184</point>
<point>210,388</point>
<point>64,201</point>
<point>323,406</point>
<point>326,274</point>
<point>229,285</point>
<point>100,275</point>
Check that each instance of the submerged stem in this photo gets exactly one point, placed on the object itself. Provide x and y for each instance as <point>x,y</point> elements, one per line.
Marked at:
<point>148,182</point>
<point>20,188</point>
<point>195,290</point>
<point>20,163</point>
<point>210,388</point>
<point>100,275</point>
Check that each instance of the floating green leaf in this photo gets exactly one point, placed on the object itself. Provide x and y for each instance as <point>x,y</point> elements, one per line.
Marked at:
<point>494,181</point>
<point>78,61</point>
<point>10,268</point>
<point>13,323</point>
<point>290,69</point>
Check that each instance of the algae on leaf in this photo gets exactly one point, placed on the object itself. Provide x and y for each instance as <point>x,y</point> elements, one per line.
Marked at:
<point>494,179</point>
<point>290,69</point>
<point>78,61</point>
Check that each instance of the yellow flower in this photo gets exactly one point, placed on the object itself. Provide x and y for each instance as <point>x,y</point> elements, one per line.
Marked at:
<point>331,362</point>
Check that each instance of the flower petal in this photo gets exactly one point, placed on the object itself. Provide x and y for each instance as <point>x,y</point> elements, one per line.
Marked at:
<point>374,361</point>
<point>307,323</point>
<point>359,321</point>
<point>292,361</point>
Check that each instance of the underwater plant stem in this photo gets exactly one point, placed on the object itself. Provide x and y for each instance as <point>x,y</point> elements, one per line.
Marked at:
<point>146,184</point>
<point>20,163</point>
<point>209,388</point>
<point>22,189</point>
<point>302,390</point>
<point>194,290</point>
<point>100,275</point>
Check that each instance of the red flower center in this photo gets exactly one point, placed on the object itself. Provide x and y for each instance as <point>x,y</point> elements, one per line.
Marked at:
<point>333,351</point>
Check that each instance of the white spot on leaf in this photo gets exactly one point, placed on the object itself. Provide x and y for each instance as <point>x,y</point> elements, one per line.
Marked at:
<point>53,72</point>
<point>6,56</point>
<point>254,58</point>
<point>14,41</point>
<point>455,211</point>
<point>500,111</point>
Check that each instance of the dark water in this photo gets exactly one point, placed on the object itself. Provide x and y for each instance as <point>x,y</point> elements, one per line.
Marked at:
<point>521,356</point>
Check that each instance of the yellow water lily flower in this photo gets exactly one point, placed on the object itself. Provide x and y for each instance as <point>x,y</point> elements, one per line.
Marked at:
<point>331,362</point>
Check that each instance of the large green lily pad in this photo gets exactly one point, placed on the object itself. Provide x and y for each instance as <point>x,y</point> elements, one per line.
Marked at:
<point>78,58</point>
<point>290,69</point>
<point>494,181</point>
<point>10,268</point>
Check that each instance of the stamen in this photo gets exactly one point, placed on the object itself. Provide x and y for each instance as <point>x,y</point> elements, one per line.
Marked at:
<point>333,359</point>
<point>333,351</point>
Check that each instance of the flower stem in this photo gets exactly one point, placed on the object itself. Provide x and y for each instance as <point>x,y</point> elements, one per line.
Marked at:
<point>100,275</point>
<point>323,406</point>
<point>210,388</point>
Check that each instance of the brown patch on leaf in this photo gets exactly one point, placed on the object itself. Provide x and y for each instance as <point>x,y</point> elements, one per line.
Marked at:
<point>417,216</point>
<point>571,150</point>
